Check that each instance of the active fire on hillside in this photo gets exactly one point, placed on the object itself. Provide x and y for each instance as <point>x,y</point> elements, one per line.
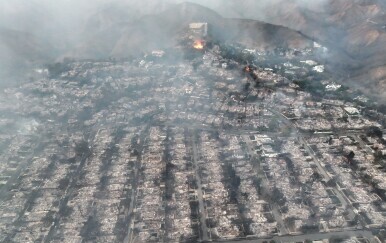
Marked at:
<point>199,44</point>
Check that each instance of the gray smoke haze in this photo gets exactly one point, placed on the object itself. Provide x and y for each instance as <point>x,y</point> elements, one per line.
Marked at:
<point>50,30</point>
<point>62,24</point>
<point>43,15</point>
<point>65,23</point>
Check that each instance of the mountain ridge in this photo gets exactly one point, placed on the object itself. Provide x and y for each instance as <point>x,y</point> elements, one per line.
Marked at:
<point>159,31</point>
<point>353,30</point>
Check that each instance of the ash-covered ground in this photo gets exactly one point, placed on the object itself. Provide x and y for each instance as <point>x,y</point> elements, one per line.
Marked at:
<point>222,143</point>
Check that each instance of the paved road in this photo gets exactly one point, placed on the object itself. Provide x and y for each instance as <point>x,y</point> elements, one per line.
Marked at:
<point>363,145</point>
<point>315,236</point>
<point>204,228</point>
<point>300,136</point>
<point>246,130</point>
<point>275,211</point>
<point>130,234</point>
<point>340,195</point>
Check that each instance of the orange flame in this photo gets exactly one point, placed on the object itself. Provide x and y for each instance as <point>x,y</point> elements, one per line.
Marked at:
<point>198,44</point>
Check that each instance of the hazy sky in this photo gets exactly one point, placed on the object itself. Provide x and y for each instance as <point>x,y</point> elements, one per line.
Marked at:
<point>24,13</point>
<point>63,23</point>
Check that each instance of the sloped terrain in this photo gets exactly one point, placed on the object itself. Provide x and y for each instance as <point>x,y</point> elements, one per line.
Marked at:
<point>19,50</point>
<point>353,30</point>
<point>162,31</point>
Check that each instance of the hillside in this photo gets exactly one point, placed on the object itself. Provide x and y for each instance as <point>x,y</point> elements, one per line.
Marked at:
<point>353,30</point>
<point>20,50</point>
<point>261,35</point>
<point>162,30</point>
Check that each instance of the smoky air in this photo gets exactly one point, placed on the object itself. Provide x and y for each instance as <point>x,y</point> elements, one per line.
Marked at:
<point>202,121</point>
